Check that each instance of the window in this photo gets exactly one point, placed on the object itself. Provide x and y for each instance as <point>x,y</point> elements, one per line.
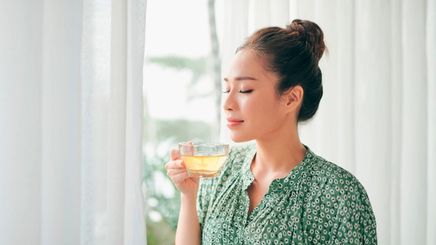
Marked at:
<point>182,91</point>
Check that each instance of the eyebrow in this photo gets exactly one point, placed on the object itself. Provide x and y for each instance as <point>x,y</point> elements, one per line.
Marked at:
<point>241,78</point>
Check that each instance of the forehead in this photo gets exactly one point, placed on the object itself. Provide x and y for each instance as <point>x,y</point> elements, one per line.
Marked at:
<point>248,62</point>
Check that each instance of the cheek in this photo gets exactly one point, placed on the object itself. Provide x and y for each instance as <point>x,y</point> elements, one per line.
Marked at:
<point>260,109</point>
<point>251,107</point>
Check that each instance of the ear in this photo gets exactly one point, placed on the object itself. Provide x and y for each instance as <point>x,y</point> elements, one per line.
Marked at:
<point>293,98</point>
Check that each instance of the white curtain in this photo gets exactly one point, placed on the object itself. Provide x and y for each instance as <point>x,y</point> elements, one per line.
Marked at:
<point>71,122</point>
<point>378,114</point>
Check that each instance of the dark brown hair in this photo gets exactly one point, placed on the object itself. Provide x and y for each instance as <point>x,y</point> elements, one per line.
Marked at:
<point>293,53</point>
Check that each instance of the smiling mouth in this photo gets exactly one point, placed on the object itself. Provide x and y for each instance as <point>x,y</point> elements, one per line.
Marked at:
<point>233,122</point>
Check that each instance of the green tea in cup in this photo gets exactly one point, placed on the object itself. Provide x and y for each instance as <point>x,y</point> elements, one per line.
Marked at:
<point>203,159</point>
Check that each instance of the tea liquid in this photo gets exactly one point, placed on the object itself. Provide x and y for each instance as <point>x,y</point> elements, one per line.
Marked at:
<point>205,166</point>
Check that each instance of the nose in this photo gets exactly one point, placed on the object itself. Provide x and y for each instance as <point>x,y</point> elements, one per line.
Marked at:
<point>229,102</point>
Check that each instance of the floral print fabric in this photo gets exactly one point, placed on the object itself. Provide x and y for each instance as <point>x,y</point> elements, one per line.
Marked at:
<point>317,203</point>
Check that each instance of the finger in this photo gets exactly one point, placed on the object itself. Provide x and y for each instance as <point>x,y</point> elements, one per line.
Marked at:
<point>178,178</point>
<point>177,164</point>
<point>172,172</point>
<point>174,154</point>
<point>196,179</point>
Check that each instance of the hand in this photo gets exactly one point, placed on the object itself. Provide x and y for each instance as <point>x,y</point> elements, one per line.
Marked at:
<point>176,170</point>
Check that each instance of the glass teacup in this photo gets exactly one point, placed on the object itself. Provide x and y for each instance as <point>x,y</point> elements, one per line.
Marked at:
<point>203,159</point>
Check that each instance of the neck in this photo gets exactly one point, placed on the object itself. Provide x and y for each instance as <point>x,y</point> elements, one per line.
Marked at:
<point>278,155</point>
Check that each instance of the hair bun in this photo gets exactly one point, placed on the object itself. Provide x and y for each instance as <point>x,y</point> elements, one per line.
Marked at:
<point>311,34</point>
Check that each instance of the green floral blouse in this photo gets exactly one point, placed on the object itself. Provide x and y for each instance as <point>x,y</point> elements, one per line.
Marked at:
<point>317,203</point>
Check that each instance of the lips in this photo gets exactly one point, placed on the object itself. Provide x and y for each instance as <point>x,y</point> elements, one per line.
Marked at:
<point>234,122</point>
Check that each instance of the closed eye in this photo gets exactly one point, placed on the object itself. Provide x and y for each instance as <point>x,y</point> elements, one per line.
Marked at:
<point>240,91</point>
<point>246,91</point>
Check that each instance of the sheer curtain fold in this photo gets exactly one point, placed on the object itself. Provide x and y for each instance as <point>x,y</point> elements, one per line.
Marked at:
<point>414,131</point>
<point>134,218</point>
<point>345,72</point>
<point>20,121</point>
<point>61,127</point>
<point>431,125</point>
<point>395,131</point>
<point>372,106</point>
<point>73,173</point>
<point>377,116</point>
<point>116,206</point>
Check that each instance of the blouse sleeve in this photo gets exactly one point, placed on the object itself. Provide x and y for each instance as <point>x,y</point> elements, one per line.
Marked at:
<point>356,220</point>
<point>203,196</point>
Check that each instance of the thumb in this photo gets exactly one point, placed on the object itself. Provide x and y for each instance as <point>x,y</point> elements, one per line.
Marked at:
<point>175,154</point>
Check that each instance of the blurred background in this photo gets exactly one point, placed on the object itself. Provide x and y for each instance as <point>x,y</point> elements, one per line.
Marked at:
<point>94,94</point>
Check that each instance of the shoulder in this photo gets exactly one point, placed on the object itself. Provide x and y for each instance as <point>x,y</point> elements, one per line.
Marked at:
<point>337,188</point>
<point>328,175</point>
<point>335,196</point>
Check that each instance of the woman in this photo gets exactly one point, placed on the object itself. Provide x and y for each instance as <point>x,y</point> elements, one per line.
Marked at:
<point>276,191</point>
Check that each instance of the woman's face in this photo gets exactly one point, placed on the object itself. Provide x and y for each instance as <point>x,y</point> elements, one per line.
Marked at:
<point>253,108</point>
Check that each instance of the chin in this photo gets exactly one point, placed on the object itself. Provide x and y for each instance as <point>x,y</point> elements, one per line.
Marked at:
<point>238,138</point>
